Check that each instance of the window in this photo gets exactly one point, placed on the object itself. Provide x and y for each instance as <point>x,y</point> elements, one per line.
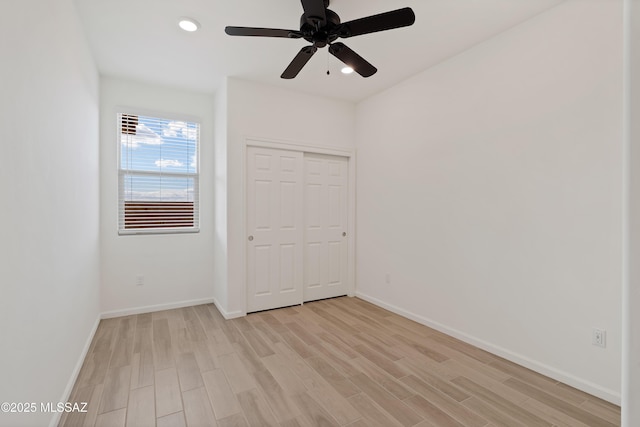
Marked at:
<point>158,175</point>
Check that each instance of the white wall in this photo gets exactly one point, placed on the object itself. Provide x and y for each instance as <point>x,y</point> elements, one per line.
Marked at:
<point>271,113</point>
<point>631,294</point>
<point>177,268</point>
<point>220,292</point>
<point>489,188</point>
<point>49,244</point>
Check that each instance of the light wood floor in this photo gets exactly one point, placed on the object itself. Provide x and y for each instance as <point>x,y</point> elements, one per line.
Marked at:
<point>339,362</point>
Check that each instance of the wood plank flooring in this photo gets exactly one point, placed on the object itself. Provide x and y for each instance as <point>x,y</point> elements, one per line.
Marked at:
<point>338,362</point>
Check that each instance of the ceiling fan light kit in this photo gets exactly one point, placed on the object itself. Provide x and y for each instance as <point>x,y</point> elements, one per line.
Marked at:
<point>321,27</point>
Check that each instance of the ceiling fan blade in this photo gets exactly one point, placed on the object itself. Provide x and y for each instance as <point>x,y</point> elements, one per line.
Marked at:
<point>298,62</point>
<point>352,59</point>
<point>315,12</point>
<point>374,23</point>
<point>262,32</point>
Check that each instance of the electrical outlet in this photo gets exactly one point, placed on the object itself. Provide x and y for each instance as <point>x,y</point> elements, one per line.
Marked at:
<point>139,280</point>
<point>599,337</point>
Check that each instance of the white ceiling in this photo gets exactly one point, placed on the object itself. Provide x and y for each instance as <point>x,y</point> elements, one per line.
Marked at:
<point>140,40</point>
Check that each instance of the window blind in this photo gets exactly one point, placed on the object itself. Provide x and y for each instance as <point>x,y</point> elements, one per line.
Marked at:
<point>158,175</point>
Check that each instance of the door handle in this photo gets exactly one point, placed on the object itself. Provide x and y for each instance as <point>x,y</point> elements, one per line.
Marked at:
<point>344,234</point>
<point>251,238</point>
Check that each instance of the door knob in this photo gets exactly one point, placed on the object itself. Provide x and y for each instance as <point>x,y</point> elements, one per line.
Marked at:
<point>344,234</point>
<point>251,238</point>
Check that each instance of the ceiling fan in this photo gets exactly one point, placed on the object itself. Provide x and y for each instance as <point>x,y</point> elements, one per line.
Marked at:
<point>321,27</point>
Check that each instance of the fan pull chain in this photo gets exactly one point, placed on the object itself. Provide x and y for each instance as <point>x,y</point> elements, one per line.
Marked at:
<point>328,72</point>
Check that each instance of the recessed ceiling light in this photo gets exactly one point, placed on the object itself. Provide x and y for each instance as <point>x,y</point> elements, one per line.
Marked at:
<point>347,70</point>
<point>189,24</point>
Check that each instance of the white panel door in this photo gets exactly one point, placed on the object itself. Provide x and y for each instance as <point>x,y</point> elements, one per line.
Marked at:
<point>325,218</point>
<point>275,228</point>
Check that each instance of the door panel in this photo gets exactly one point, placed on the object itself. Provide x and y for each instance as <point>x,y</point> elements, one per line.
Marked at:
<point>326,215</point>
<point>262,256</point>
<point>262,203</point>
<point>275,226</point>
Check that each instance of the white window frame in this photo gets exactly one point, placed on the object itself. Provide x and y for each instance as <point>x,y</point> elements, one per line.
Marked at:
<point>122,173</point>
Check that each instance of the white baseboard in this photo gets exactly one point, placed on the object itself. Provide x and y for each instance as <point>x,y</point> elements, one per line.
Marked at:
<point>228,314</point>
<point>74,375</point>
<point>564,377</point>
<point>152,308</point>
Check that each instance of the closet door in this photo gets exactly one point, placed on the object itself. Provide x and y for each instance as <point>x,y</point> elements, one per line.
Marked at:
<point>275,228</point>
<point>326,180</point>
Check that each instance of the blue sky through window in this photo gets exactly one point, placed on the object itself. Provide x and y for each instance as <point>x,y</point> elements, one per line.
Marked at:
<point>159,160</point>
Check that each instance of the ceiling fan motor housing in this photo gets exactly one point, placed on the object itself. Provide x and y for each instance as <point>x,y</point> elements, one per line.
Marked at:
<point>322,36</point>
